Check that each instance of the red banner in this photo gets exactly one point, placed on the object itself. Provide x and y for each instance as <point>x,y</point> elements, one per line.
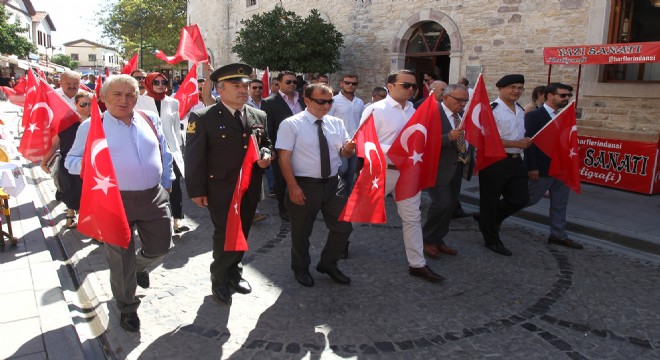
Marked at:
<point>621,164</point>
<point>625,53</point>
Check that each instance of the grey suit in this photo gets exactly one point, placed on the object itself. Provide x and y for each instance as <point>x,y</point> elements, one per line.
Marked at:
<point>444,195</point>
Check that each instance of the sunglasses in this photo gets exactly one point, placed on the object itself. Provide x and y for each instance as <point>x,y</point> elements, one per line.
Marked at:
<point>565,95</point>
<point>350,83</point>
<point>322,101</point>
<point>257,87</point>
<point>83,104</point>
<point>139,78</point>
<point>159,82</point>
<point>407,85</point>
<point>289,82</point>
<point>459,99</point>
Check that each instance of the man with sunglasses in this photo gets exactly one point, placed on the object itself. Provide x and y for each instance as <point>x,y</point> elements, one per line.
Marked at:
<point>140,75</point>
<point>280,105</point>
<point>503,184</point>
<point>557,96</point>
<point>310,145</point>
<point>256,88</point>
<point>390,116</point>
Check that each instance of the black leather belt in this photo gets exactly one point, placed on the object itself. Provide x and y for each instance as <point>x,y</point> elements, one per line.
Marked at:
<point>314,180</point>
<point>391,167</point>
<point>513,156</point>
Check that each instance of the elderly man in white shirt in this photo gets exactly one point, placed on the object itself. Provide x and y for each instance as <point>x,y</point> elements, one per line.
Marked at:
<point>69,87</point>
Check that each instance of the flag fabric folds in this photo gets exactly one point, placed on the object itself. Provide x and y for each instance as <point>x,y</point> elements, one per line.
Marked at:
<point>191,47</point>
<point>416,151</point>
<point>559,140</point>
<point>481,129</point>
<point>188,92</point>
<point>131,66</point>
<point>265,79</point>
<point>101,214</point>
<point>234,236</point>
<point>367,201</point>
<point>31,84</point>
<point>13,96</point>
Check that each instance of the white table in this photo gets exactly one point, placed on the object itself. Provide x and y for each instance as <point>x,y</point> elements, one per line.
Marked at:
<point>11,178</point>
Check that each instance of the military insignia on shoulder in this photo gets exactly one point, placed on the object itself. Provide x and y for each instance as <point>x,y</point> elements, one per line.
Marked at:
<point>494,104</point>
<point>192,126</point>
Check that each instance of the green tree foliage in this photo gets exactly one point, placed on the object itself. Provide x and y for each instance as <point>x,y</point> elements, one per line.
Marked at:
<point>11,41</point>
<point>282,40</point>
<point>64,60</point>
<point>161,22</point>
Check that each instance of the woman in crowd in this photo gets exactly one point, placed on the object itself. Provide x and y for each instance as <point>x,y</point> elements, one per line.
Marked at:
<point>538,98</point>
<point>70,185</point>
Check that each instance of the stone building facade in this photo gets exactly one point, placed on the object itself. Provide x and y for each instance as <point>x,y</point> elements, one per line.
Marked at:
<point>463,38</point>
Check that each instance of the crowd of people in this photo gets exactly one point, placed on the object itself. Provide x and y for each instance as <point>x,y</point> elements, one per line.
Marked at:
<point>304,134</point>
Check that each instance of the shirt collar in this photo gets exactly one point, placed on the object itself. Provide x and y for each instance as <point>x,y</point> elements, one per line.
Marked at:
<point>393,103</point>
<point>232,110</point>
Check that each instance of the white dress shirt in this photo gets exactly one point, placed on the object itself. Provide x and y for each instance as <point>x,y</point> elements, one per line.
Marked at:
<point>389,119</point>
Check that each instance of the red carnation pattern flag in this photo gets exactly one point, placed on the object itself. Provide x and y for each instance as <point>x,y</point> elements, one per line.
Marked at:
<point>234,236</point>
<point>188,92</point>
<point>131,66</point>
<point>416,151</point>
<point>191,47</point>
<point>367,201</point>
<point>559,140</point>
<point>481,129</point>
<point>265,79</point>
<point>102,214</point>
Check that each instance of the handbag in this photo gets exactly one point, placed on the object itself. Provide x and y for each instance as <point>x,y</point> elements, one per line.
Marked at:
<point>54,164</point>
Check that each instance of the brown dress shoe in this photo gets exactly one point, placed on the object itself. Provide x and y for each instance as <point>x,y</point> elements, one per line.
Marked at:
<point>425,273</point>
<point>431,251</point>
<point>446,250</point>
<point>564,242</point>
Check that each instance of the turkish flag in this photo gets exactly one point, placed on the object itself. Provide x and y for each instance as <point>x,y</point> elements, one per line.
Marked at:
<point>31,85</point>
<point>480,128</point>
<point>102,214</point>
<point>191,47</point>
<point>49,115</point>
<point>13,96</point>
<point>21,84</point>
<point>131,66</point>
<point>265,79</point>
<point>367,201</point>
<point>188,92</point>
<point>416,151</point>
<point>234,236</point>
<point>84,87</point>
<point>97,86</point>
<point>558,140</point>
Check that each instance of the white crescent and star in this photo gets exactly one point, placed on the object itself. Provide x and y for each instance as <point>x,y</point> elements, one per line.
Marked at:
<point>48,109</point>
<point>570,134</point>
<point>416,157</point>
<point>368,148</point>
<point>103,183</point>
<point>476,111</point>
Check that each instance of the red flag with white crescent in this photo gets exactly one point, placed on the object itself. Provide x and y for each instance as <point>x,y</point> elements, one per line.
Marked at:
<point>191,47</point>
<point>40,127</point>
<point>367,201</point>
<point>416,151</point>
<point>234,235</point>
<point>265,79</point>
<point>102,214</point>
<point>187,95</point>
<point>131,66</point>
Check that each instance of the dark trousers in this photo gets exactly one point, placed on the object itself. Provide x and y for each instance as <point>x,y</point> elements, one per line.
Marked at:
<point>280,186</point>
<point>502,192</point>
<point>330,198</point>
<point>444,199</point>
<point>176,196</point>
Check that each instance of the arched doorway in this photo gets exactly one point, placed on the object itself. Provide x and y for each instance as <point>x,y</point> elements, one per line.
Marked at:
<point>428,50</point>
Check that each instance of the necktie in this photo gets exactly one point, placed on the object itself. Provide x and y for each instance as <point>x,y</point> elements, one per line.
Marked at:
<point>325,151</point>
<point>239,119</point>
<point>460,143</point>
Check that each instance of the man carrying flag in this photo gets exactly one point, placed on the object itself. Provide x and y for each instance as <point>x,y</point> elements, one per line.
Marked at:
<point>538,163</point>
<point>143,168</point>
<point>218,139</point>
<point>69,86</point>
<point>390,117</point>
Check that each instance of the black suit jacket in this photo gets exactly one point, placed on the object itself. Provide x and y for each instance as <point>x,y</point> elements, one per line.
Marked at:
<point>535,159</point>
<point>449,154</point>
<point>215,147</point>
<point>277,110</point>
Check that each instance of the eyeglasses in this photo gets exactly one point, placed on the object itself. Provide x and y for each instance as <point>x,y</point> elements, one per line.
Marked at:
<point>350,83</point>
<point>459,99</point>
<point>139,78</point>
<point>516,88</point>
<point>159,82</point>
<point>569,95</point>
<point>83,104</point>
<point>289,82</point>
<point>322,101</point>
<point>257,87</point>
<point>407,85</point>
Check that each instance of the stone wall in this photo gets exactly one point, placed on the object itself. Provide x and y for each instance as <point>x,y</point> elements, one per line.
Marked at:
<point>502,36</point>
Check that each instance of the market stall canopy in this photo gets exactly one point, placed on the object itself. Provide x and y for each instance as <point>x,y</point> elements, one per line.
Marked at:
<point>625,53</point>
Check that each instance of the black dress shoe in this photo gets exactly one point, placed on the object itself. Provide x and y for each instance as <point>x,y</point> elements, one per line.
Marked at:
<point>564,242</point>
<point>304,278</point>
<point>130,321</point>
<point>459,214</point>
<point>334,273</point>
<point>499,248</point>
<point>142,279</point>
<point>220,290</point>
<point>425,273</point>
<point>241,286</point>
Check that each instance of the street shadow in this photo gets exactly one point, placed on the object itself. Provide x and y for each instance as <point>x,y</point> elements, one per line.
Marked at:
<point>51,344</point>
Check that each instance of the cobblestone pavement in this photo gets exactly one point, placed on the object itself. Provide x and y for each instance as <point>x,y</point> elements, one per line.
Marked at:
<point>544,302</point>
